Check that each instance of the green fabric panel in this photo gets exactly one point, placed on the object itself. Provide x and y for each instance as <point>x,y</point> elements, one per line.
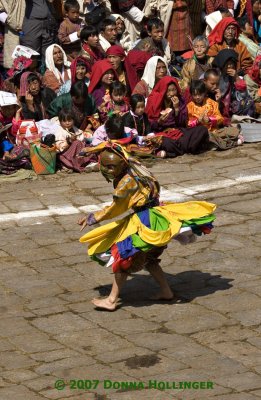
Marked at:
<point>199,221</point>
<point>157,223</point>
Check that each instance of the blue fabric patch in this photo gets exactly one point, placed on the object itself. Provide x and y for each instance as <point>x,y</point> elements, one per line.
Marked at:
<point>6,145</point>
<point>144,217</point>
<point>125,247</point>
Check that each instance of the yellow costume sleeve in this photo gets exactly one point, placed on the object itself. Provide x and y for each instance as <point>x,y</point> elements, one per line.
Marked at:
<point>127,194</point>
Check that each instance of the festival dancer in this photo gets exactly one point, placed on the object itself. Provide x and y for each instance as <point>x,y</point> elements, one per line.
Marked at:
<point>137,240</point>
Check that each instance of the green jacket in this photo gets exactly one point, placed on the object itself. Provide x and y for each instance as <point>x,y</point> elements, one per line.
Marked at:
<point>65,101</point>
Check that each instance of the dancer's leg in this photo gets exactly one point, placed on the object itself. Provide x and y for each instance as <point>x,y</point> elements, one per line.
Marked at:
<point>111,301</point>
<point>165,291</point>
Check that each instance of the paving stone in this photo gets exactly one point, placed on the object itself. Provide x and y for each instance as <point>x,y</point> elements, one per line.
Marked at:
<point>14,326</point>
<point>240,382</point>
<point>19,375</point>
<point>41,383</point>
<point>204,321</point>
<point>149,365</point>
<point>224,334</point>
<point>18,205</point>
<point>252,317</point>
<point>57,324</point>
<point>239,396</point>
<point>34,341</point>
<point>58,365</point>
<point>14,359</point>
<point>232,302</point>
<point>90,340</point>
<point>243,352</point>
<point>54,355</point>
<point>216,366</point>
<point>18,393</point>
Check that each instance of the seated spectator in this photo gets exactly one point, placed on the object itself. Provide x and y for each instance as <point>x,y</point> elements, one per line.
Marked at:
<point>66,132</point>
<point>70,141</point>
<point>69,31</point>
<point>160,45</point>
<point>115,102</point>
<point>234,96</point>
<point>136,118</point>
<point>108,34</point>
<point>196,66</point>
<point>34,99</point>
<point>256,6</point>
<point>79,101</point>
<point>58,74</point>
<point>166,109</point>
<point>116,55</point>
<point>156,68</point>
<point>144,44</point>
<point>91,49</point>
<point>123,36</point>
<point>112,129</point>
<point>80,70</point>
<point>211,80</point>
<point>247,36</point>
<point>101,78</point>
<point>202,110</point>
<point>10,113</point>
<point>225,35</point>
<point>253,81</point>
<point>135,63</point>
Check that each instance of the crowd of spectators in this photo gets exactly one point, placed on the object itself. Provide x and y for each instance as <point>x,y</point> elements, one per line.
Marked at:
<point>163,77</point>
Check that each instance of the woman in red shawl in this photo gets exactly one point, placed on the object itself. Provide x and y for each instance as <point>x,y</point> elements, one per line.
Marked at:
<point>225,36</point>
<point>166,108</point>
<point>80,70</point>
<point>101,77</point>
<point>135,63</point>
<point>253,81</point>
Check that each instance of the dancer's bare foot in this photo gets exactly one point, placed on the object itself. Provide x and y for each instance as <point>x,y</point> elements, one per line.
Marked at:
<point>104,304</point>
<point>166,295</point>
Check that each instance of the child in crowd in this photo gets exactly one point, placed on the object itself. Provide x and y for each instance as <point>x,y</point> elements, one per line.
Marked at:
<point>211,80</point>
<point>9,114</point>
<point>70,142</point>
<point>160,45</point>
<point>136,118</point>
<point>66,132</point>
<point>69,31</point>
<point>114,102</point>
<point>91,49</point>
<point>202,110</point>
<point>113,129</point>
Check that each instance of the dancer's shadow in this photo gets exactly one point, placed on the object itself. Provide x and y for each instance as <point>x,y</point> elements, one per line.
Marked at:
<point>186,286</point>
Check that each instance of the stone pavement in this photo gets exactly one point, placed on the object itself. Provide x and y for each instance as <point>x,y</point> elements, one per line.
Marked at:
<point>49,330</point>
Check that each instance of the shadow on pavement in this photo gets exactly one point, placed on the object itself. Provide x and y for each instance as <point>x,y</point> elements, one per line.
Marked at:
<point>187,286</point>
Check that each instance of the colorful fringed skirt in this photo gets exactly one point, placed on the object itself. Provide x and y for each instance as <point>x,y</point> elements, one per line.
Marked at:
<point>118,244</point>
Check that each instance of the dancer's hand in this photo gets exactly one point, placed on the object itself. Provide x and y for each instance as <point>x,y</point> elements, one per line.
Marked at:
<point>83,222</point>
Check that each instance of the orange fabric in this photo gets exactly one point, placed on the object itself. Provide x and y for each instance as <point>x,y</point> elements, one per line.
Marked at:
<point>210,108</point>
<point>244,58</point>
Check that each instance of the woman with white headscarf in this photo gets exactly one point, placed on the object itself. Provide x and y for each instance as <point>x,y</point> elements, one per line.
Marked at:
<point>156,68</point>
<point>58,74</point>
